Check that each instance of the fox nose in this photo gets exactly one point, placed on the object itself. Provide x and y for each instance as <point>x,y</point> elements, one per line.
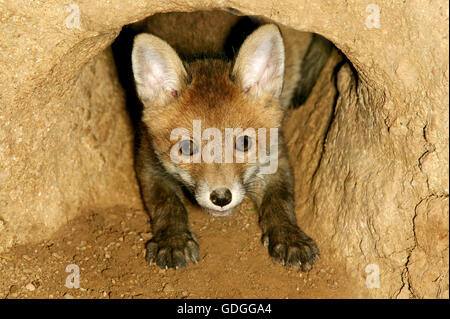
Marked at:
<point>220,196</point>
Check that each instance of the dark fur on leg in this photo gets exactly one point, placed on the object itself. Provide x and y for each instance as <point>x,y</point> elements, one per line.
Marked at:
<point>288,245</point>
<point>173,244</point>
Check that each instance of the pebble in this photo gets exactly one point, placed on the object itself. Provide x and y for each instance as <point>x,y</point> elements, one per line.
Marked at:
<point>168,288</point>
<point>107,273</point>
<point>36,283</point>
<point>30,287</point>
<point>68,296</point>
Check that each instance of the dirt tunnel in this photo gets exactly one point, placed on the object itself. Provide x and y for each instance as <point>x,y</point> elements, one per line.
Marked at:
<point>369,149</point>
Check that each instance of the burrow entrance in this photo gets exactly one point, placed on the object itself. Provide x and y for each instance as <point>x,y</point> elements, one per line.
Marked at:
<point>346,149</point>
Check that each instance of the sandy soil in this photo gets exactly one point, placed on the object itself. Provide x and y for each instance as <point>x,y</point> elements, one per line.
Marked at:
<point>108,246</point>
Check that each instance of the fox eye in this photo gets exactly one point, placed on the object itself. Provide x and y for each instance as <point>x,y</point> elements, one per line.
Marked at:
<point>243,143</point>
<point>187,148</point>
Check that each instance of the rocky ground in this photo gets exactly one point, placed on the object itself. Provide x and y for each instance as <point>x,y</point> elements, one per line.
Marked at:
<point>108,247</point>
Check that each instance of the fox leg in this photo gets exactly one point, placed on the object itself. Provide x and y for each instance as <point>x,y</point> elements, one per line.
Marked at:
<point>288,245</point>
<point>173,244</point>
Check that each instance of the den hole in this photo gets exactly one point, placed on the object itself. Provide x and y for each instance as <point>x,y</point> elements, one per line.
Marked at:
<point>232,37</point>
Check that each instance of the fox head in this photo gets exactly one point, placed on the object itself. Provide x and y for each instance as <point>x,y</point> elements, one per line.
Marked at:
<point>192,105</point>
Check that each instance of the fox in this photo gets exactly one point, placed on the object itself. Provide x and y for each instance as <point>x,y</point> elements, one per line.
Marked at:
<point>225,71</point>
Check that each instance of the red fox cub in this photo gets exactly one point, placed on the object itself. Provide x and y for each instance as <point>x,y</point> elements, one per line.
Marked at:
<point>214,88</point>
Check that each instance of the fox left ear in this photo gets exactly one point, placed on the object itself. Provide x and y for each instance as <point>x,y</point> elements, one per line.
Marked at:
<point>259,66</point>
<point>158,71</point>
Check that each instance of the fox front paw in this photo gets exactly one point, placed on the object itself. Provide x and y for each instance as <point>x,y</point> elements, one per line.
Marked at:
<point>173,250</point>
<point>291,247</point>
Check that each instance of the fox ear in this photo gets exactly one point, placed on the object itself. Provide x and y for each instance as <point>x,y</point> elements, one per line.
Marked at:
<point>259,66</point>
<point>158,71</point>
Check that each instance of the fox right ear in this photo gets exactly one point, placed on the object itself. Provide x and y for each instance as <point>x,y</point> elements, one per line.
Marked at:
<point>259,66</point>
<point>158,71</point>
